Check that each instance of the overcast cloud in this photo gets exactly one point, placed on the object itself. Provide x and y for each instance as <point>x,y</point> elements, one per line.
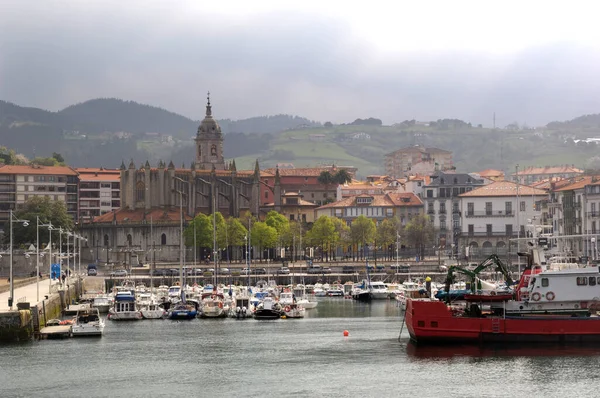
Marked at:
<point>466,62</point>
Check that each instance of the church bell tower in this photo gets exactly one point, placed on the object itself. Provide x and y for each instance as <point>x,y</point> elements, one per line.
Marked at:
<point>209,142</point>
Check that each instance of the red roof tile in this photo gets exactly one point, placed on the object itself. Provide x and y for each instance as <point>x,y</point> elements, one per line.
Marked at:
<point>503,188</point>
<point>29,169</point>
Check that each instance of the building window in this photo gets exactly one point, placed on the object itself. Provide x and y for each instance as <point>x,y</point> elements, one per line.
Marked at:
<point>522,206</point>
<point>471,229</point>
<point>106,241</point>
<point>488,208</point>
<point>442,208</point>
<point>163,239</point>
<point>140,191</point>
<point>430,208</point>
<point>593,209</point>
<point>488,229</point>
<point>508,208</point>
<point>470,208</point>
<point>213,150</point>
<point>509,229</point>
<point>266,194</point>
<point>129,240</point>
<point>430,193</point>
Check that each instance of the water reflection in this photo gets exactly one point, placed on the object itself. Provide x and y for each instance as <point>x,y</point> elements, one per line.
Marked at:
<point>475,351</point>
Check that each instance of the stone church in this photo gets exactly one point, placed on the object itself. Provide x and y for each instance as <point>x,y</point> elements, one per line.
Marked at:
<point>147,226</point>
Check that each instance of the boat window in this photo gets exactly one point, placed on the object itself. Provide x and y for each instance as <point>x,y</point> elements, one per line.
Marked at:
<point>582,281</point>
<point>545,282</point>
<point>592,281</point>
<point>598,281</point>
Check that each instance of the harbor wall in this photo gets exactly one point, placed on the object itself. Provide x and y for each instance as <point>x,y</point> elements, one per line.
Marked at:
<point>16,325</point>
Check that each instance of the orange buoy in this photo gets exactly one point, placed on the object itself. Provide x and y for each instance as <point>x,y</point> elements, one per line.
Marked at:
<point>346,333</point>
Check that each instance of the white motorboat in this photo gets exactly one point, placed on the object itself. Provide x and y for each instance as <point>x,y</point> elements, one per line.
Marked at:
<point>153,310</point>
<point>124,308</point>
<point>88,323</point>
<point>102,304</point>
<point>212,306</point>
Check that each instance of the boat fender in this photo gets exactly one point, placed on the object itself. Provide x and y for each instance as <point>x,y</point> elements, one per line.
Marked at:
<point>550,296</point>
<point>536,296</point>
<point>220,305</point>
<point>287,308</point>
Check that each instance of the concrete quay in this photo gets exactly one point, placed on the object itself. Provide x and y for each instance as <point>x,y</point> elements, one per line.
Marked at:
<point>29,313</point>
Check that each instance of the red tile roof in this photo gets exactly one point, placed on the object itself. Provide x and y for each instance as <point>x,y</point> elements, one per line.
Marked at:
<point>575,183</point>
<point>301,172</point>
<point>158,216</point>
<point>503,188</point>
<point>95,174</point>
<point>379,200</point>
<point>549,170</point>
<point>491,173</point>
<point>30,169</point>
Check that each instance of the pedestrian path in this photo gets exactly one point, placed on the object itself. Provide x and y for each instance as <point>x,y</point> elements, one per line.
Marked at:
<point>28,293</point>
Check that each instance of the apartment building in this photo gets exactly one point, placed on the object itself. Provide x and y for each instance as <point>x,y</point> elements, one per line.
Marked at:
<point>18,183</point>
<point>99,192</point>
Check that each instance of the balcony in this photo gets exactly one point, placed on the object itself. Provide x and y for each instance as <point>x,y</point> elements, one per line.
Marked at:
<point>490,234</point>
<point>593,214</point>
<point>494,213</point>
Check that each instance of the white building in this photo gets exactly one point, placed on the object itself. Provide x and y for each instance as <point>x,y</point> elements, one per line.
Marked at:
<point>99,192</point>
<point>494,213</point>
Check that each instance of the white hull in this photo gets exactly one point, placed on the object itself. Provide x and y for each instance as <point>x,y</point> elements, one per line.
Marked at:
<point>309,305</point>
<point>379,295</point>
<point>212,312</point>
<point>294,312</point>
<point>125,316</point>
<point>102,308</point>
<point>154,314</point>
<point>90,329</point>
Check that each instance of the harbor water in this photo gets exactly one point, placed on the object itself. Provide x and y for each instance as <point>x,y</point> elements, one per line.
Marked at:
<point>296,357</point>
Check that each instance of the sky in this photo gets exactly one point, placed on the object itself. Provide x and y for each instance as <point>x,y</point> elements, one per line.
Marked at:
<point>529,62</point>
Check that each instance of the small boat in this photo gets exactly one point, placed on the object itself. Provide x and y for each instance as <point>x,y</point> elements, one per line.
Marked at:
<point>268,309</point>
<point>153,310</point>
<point>88,323</point>
<point>241,307</point>
<point>213,306</point>
<point>182,310</point>
<point>102,303</point>
<point>124,308</point>
<point>293,311</point>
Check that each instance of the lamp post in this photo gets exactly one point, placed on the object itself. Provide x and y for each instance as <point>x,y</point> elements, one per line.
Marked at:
<point>50,228</point>
<point>37,230</point>
<point>12,286</point>
<point>180,229</point>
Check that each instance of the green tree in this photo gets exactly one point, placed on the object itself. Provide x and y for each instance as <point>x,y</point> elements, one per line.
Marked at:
<point>362,232</point>
<point>278,221</point>
<point>387,233</point>
<point>59,158</point>
<point>323,234</point>
<point>419,232</point>
<point>236,233</point>
<point>343,233</point>
<point>325,178</point>
<point>204,232</point>
<point>263,236</point>
<point>54,212</point>
<point>292,237</point>
<point>342,176</point>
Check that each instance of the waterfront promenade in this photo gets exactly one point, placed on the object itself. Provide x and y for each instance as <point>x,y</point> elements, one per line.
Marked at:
<point>26,293</point>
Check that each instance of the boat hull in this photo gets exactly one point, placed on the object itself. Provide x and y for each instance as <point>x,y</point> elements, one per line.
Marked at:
<point>432,322</point>
<point>88,330</point>
<point>154,314</point>
<point>182,314</point>
<point>124,316</point>
<point>264,314</point>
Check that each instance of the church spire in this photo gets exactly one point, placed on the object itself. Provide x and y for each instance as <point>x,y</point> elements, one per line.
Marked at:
<point>208,107</point>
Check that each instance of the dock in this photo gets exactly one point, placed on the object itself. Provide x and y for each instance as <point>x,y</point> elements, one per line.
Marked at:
<point>56,332</point>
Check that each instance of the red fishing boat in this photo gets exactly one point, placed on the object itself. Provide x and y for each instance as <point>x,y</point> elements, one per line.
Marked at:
<point>549,306</point>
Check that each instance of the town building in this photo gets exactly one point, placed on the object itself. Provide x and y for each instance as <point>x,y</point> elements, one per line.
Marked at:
<point>532,174</point>
<point>403,206</point>
<point>99,192</point>
<point>442,204</point>
<point>417,160</point>
<point>18,183</point>
<point>165,196</point>
<point>493,214</point>
<point>304,181</point>
<point>493,175</point>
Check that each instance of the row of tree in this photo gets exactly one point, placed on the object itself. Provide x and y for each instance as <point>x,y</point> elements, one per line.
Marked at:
<point>330,234</point>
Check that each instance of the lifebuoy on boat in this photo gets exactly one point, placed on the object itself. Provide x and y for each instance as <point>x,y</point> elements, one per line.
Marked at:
<point>287,308</point>
<point>536,296</point>
<point>550,296</point>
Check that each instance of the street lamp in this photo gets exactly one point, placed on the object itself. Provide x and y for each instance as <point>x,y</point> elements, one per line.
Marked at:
<point>37,230</point>
<point>12,287</point>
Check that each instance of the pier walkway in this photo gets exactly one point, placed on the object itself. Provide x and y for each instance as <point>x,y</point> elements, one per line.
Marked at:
<point>27,293</point>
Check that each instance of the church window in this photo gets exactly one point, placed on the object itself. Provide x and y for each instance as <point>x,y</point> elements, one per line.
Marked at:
<point>163,239</point>
<point>199,150</point>
<point>213,150</point>
<point>105,240</point>
<point>140,191</point>
<point>129,240</point>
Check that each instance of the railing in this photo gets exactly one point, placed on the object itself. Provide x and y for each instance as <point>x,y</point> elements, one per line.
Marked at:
<point>494,213</point>
<point>593,214</point>
<point>494,233</point>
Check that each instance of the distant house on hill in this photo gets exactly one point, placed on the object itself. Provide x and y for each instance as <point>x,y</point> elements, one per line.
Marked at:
<point>417,160</point>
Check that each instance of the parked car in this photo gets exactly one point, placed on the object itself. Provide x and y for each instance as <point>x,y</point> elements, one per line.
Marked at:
<point>348,269</point>
<point>259,271</point>
<point>224,271</point>
<point>197,271</point>
<point>317,269</point>
<point>380,267</point>
<point>159,272</point>
<point>119,272</point>
<point>172,272</point>
<point>245,271</point>
<point>283,271</point>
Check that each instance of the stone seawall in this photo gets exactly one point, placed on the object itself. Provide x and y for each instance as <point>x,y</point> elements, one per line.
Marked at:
<point>16,325</point>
